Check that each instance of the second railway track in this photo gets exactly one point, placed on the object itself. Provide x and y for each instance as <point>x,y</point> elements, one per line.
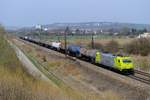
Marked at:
<point>141,76</point>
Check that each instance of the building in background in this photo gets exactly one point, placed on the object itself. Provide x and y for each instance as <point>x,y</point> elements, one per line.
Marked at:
<point>144,35</point>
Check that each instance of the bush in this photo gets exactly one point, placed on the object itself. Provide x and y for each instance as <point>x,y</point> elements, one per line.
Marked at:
<point>139,46</point>
<point>98,46</point>
<point>112,46</point>
<point>142,62</point>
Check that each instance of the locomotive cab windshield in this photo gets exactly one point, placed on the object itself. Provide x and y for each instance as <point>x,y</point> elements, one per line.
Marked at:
<point>126,61</point>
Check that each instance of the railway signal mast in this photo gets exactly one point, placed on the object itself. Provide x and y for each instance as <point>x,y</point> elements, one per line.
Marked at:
<point>39,30</point>
<point>66,32</point>
<point>92,42</point>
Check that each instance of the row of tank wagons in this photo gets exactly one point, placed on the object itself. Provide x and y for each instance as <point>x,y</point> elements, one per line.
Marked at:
<point>121,63</point>
<point>53,44</point>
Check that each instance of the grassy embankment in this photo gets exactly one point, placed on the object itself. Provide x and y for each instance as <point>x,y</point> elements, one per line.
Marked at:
<point>17,84</point>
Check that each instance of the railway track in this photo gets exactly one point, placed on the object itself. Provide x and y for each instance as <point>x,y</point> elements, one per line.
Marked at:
<point>138,75</point>
<point>141,76</point>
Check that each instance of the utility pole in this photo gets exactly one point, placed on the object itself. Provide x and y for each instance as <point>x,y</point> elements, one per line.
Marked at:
<point>66,32</point>
<point>39,30</point>
<point>92,42</point>
<point>58,37</point>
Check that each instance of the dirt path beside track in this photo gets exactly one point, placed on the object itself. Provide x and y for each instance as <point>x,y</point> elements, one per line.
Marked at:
<point>31,68</point>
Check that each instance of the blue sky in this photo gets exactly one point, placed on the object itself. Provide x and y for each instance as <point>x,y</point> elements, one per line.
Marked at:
<point>31,12</point>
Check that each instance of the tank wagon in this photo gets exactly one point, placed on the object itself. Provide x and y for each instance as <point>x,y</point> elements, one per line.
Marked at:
<point>56,45</point>
<point>74,50</point>
<point>92,55</point>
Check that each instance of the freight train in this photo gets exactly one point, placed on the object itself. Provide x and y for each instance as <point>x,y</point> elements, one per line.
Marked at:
<point>117,62</point>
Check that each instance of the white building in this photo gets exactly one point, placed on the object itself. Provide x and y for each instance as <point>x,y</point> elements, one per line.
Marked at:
<point>145,35</point>
<point>45,29</point>
<point>38,27</point>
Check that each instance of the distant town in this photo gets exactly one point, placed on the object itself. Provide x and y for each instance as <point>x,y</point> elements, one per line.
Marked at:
<point>105,28</point>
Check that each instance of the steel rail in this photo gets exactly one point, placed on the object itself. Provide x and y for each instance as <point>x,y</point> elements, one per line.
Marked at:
<point>138,78</point>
